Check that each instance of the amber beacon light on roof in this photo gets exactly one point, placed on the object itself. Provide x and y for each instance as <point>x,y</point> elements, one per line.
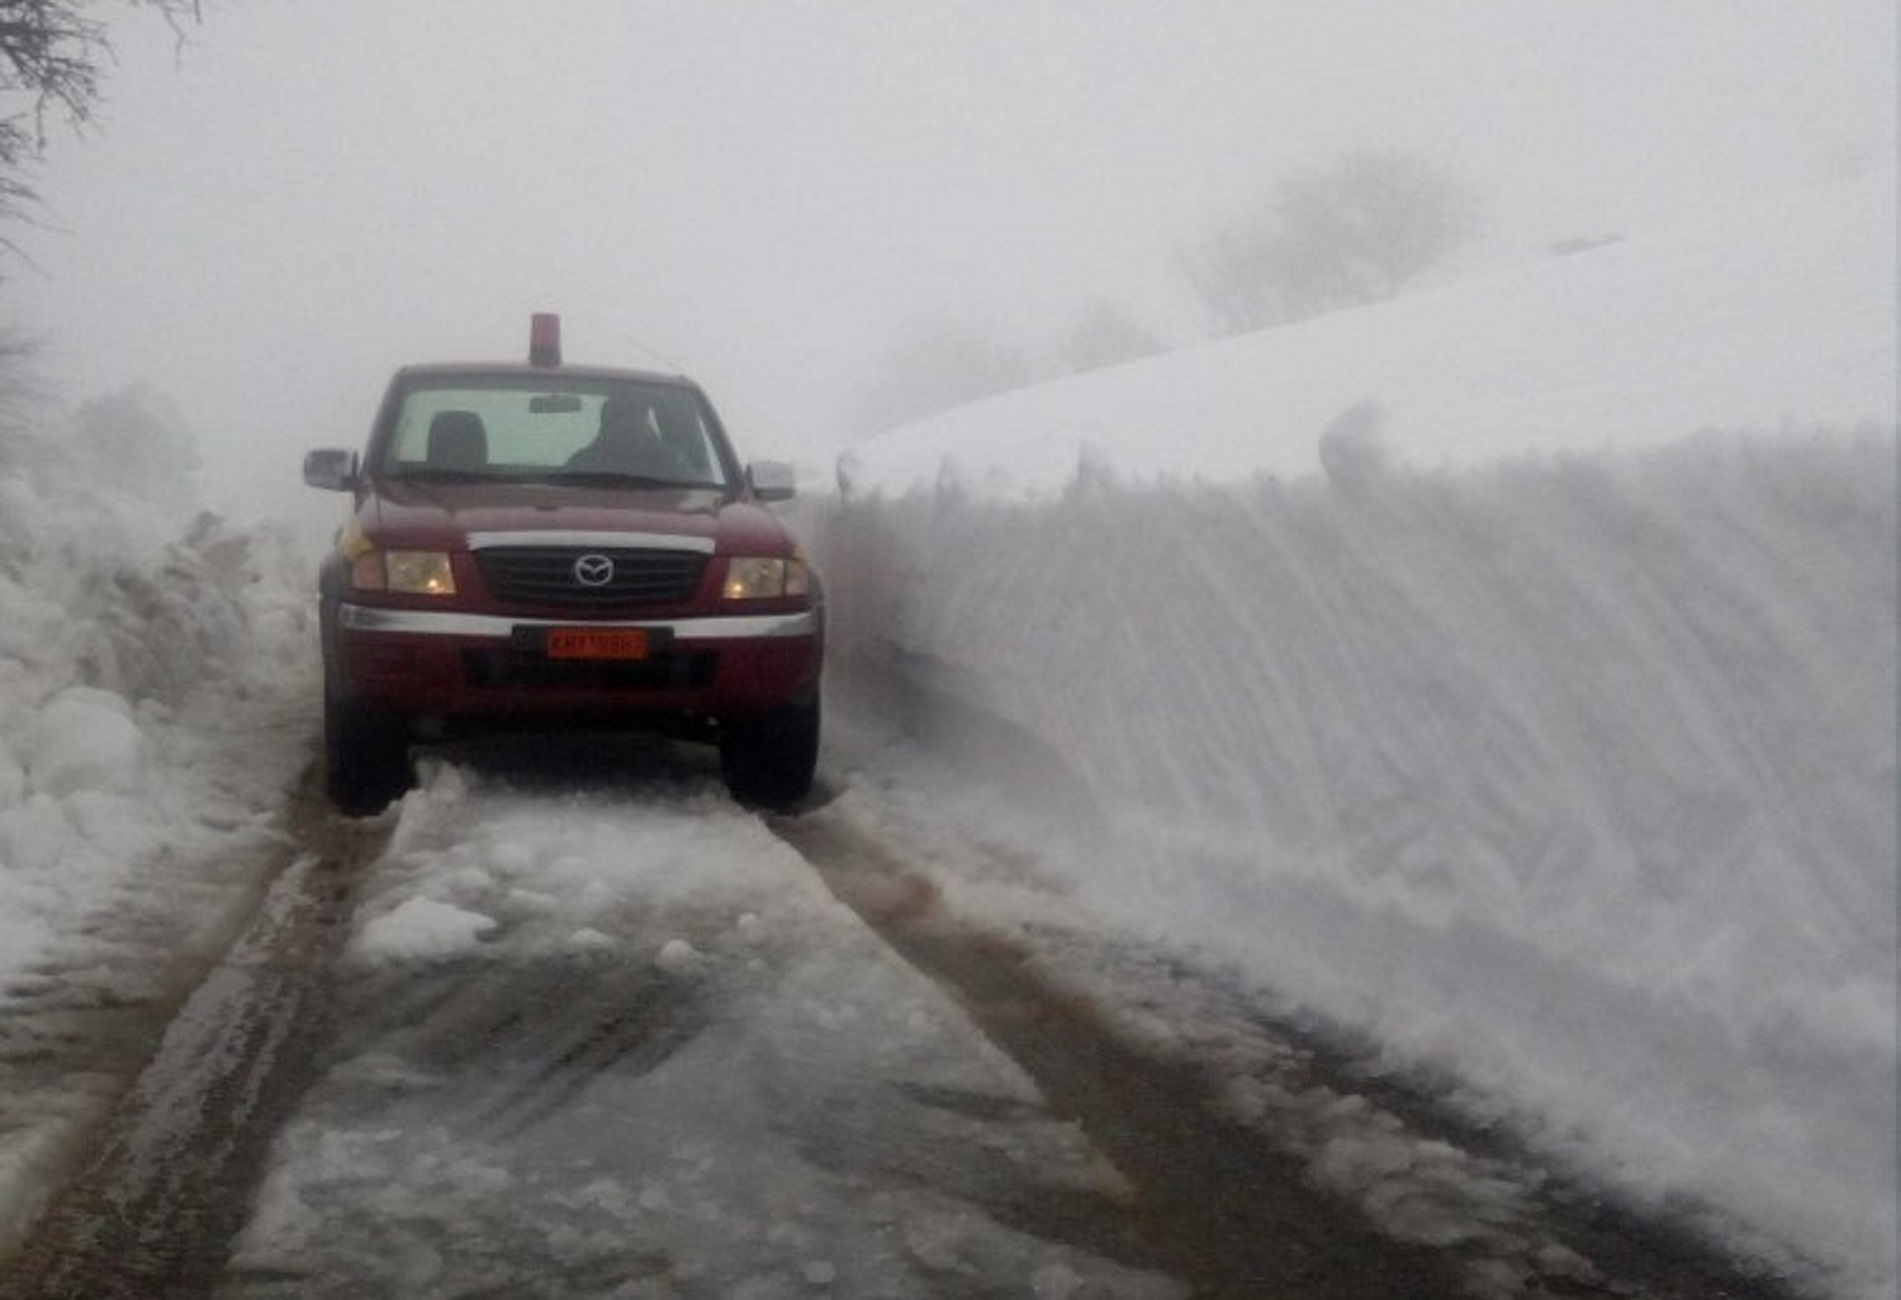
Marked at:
<point>544,339</point>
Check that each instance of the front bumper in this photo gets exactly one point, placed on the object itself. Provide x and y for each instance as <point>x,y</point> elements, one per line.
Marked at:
<point>450,665</point>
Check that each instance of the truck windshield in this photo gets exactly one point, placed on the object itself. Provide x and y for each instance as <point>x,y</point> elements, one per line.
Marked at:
<point>531,428</point>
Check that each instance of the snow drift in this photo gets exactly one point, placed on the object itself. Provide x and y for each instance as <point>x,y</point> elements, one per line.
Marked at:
<point>154,710</point>
<point>1574,778</point>
<point>1570,774</point>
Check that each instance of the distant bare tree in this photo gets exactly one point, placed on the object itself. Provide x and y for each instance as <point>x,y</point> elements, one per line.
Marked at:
<point>1105,336</point>
<point>939,363</point>
<point>51,52</point>
<point>1353,231</point>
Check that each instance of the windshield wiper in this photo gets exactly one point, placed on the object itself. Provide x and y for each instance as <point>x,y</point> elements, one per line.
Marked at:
<point>431,474</point>
<point>614,478</point>
<point>586,478</point>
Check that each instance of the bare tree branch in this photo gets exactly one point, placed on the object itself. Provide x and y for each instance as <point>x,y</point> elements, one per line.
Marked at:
<point>51,53</point>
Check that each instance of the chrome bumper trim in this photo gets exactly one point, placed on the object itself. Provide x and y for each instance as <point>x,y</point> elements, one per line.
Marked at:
<point>594,541</point>
<point>428,622</point>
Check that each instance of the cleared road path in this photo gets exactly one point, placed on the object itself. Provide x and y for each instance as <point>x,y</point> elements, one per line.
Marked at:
<point>634,1045</point>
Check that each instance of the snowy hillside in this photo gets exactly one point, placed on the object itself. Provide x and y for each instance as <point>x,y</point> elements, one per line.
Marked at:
<point>1746,319</point>
<point>1572,775</point>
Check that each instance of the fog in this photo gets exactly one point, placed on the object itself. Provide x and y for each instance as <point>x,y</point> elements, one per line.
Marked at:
<point>268,218</point>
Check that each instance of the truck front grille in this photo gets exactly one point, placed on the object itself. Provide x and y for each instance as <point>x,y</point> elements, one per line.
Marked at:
<point>594,578</point>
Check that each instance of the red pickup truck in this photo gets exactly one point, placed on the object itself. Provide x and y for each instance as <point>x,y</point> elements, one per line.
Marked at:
<point>545,545</point>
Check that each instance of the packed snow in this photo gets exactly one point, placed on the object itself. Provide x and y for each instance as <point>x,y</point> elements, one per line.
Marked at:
<point>1504,674</point>
<point>723,1081</point>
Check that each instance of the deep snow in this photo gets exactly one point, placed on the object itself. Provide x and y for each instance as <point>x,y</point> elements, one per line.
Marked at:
<point>1571,771</point>
<point>152,662</point>
<point>1571,775</point>
<point>1576,780</point>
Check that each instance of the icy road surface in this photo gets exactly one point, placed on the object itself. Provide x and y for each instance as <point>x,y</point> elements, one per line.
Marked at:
<point>608,1034</point>
<point>634,1047</point>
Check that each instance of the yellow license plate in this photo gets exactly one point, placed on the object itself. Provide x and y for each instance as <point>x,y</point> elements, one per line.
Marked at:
<point>598,643</point>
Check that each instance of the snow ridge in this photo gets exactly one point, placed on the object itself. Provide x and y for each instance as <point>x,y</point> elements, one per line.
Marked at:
<point>1578,772</point>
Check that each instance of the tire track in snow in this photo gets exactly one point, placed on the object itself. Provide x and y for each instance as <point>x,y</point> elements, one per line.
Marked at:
<point>151,1216</point>
<point>1306,1179</point>
<point>1222,1208</point>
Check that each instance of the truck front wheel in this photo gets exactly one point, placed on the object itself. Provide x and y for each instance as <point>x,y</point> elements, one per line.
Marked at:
<point>768,758</point>
<point>366,757</point>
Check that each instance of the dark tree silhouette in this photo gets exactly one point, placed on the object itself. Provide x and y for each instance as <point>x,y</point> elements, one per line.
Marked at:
<point>51,52</point>
<point>940,362</point>
<point>1106,336</point>
<point>1353,231</point>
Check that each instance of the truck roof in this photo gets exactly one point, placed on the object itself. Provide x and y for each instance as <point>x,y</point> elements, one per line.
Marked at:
<point>512,369</point>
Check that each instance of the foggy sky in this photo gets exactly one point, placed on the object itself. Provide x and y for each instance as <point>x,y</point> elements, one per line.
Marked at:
<point>766,194</point>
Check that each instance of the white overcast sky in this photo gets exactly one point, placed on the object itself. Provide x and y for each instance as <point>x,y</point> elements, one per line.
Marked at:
<point>766,192</point>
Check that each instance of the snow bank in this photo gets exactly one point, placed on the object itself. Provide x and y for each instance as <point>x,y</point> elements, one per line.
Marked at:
<point>1573,776</point>
<point>1418,660</point>
<point>83,739</point>
<point>154,709</point>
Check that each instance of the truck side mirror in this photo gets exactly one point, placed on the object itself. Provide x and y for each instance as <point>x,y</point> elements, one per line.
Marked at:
<point>771,480</point>
<point>331,468</point>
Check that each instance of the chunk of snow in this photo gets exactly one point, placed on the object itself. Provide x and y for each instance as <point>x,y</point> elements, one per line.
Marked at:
<point>677,955</point>
<point>83,739</point>
<point>420,928</point>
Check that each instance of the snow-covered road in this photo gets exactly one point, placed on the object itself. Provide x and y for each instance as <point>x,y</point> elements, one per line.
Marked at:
<point>581,1026</point>
<point>602,1040</point>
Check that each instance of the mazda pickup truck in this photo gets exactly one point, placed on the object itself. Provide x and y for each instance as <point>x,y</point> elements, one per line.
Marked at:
<point>540,545</point>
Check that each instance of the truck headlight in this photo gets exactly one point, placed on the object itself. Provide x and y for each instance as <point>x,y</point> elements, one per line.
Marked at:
<point>760,577</point>
<point>414,573</point>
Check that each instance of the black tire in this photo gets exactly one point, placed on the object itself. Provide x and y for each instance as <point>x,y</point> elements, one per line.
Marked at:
<point>768,759</point>
<point>366,758</point>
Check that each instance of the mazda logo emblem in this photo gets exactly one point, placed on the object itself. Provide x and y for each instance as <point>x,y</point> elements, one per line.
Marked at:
<point>594,570</point>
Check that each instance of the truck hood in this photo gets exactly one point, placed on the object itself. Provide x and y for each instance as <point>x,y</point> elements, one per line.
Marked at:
<point>441,516</point>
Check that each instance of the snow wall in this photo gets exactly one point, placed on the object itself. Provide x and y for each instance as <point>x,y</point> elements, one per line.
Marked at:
<point>1574,777</point>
